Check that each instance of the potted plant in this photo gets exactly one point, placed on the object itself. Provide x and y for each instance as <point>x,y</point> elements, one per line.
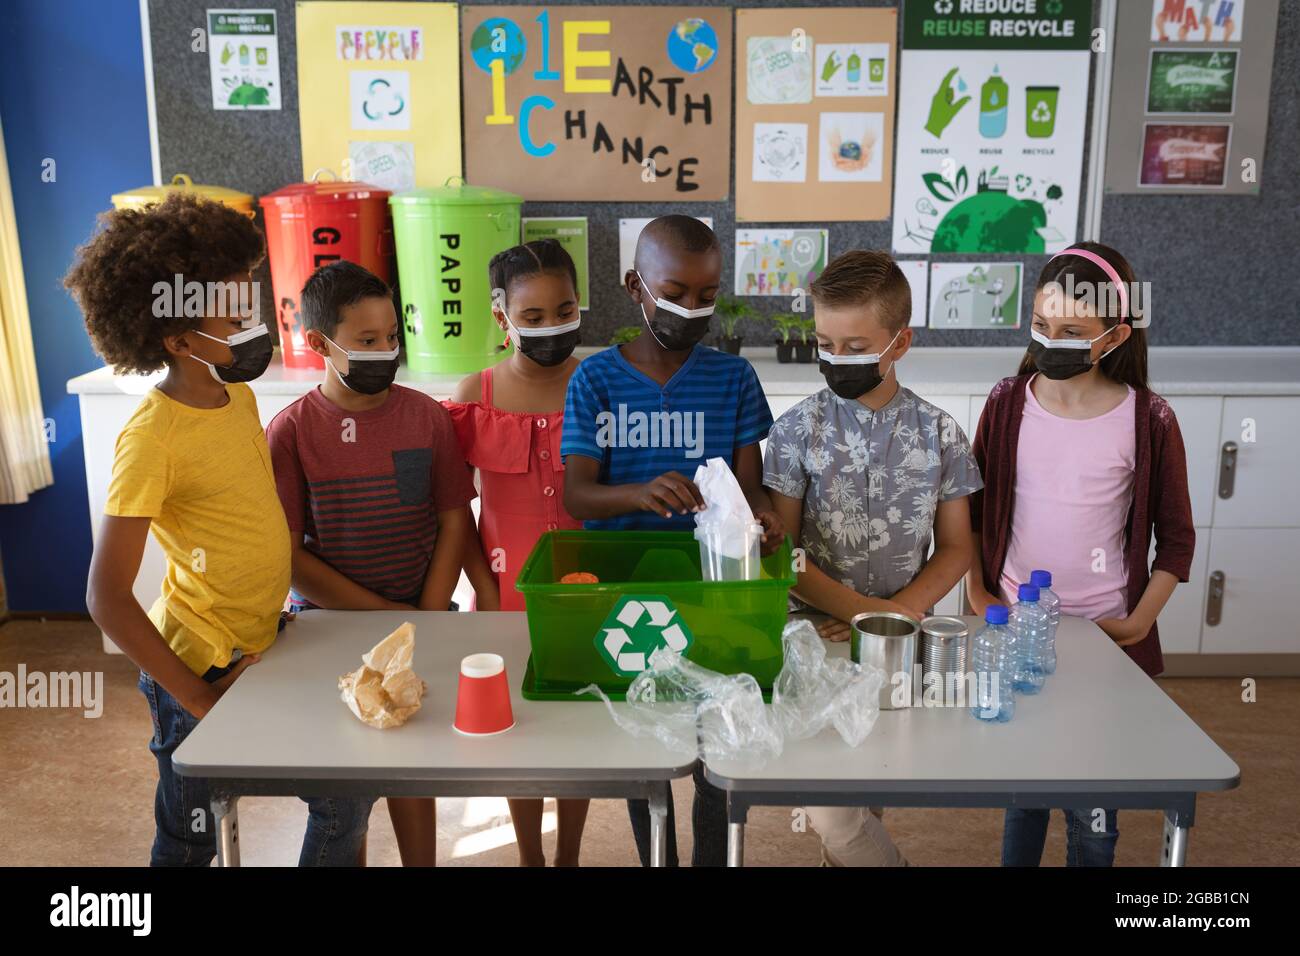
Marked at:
<point>785,325</point>
<point>624,334</point>
<point>805,350</point>
<point>730,310</point>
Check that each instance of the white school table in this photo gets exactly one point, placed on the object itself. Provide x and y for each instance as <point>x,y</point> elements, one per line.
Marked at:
<point>1100,734</point>
<point>283,730</point>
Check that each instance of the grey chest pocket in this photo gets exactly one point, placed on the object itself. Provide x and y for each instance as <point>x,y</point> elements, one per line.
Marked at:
<point>413,466</point>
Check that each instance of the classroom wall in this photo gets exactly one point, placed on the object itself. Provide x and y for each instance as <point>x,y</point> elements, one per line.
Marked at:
<point>71,89</point>
<point>1219,265</point>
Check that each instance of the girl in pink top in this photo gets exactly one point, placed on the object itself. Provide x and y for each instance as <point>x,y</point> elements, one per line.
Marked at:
<point>1083,465</point>
<point>508,419</point>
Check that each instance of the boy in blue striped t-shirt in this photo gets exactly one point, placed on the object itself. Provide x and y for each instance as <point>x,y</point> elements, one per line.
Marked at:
<point>639,418</point>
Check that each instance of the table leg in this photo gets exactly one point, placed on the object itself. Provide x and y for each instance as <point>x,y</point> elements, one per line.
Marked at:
<point>1177,830</point>
<point>225,814</point>
<point>737,813</point>
<point>659,797</point>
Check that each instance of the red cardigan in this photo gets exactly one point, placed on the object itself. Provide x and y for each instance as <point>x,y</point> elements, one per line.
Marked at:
<point>1160,500</point>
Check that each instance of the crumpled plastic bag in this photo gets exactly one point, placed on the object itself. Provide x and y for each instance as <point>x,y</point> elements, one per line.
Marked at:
<point>695,711</point>
<point>727,520</point>
<point>813,691</point>
<point>384,691</point>
<point>692,710</point>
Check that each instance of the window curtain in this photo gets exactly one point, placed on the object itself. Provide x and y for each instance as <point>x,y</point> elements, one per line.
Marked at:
<point>24,453</point>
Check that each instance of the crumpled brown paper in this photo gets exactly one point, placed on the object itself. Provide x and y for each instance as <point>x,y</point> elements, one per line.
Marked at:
<point>384,692</point>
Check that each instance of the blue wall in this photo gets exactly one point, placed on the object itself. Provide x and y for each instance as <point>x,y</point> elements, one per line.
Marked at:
<point>72,89</point>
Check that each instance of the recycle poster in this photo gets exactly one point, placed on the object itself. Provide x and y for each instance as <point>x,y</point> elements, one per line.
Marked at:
<point>993,102</point>
<point>598,103</point>
<point>244,57</point>
<point>814,113</point>
<point>379,91</point>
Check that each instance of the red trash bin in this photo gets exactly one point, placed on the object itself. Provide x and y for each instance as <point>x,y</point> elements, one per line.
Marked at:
<point>309,225</point>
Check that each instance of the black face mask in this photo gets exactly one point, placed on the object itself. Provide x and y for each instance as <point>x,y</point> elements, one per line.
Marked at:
<point>852,376</point>
<point>369,373</point>
<point>851,381</point>
<point>676,328</point>
<point>547,346</point>
<point>251,350</point>
<point>1059,362</point>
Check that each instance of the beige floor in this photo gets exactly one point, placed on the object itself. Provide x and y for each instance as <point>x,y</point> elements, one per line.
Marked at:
<point>75,791</point>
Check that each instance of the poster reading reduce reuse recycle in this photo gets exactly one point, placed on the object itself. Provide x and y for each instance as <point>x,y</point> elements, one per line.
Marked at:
<point>598,103</point>
<point>993,98</point>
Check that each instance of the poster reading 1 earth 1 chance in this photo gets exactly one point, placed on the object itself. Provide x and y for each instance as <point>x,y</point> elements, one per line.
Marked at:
<point>991,114</point>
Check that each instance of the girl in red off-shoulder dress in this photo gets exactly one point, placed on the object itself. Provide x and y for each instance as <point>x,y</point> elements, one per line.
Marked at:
<point>508,419</point>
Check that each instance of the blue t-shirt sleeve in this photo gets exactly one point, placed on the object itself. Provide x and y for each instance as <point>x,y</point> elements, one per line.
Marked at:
<point>581,406</point>
<point>754,418</point>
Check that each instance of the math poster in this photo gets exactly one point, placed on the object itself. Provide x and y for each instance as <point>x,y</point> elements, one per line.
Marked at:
<point>814,113</point>
<point>991,118</point>
<point>379,92</point>
<point>598,103</point>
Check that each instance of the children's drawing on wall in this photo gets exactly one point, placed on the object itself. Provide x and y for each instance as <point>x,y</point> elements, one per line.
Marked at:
<point>780,152</point>
<point>848,147</point>
<point>778,261</point>
<point>778,71</point>
<point>975,295</point>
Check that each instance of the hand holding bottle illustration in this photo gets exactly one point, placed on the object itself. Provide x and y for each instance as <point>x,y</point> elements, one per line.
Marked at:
<point>942,107</point>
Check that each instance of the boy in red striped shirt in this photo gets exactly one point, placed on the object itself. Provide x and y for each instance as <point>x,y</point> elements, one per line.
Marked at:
<point>372,480</point>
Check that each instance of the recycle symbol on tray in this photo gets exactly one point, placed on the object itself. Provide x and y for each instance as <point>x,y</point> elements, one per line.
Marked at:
<point>637,626</point>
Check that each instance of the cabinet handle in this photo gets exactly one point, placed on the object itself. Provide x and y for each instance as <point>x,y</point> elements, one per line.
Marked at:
<point>1227,468</point>
<point>1214,602</point>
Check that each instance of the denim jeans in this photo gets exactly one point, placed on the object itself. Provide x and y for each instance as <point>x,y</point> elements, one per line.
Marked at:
<point>1025,831</point>
<point>708,825</point>
<point>185,833</point>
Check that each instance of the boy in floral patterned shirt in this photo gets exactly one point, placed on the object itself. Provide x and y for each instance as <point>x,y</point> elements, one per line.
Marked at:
<point>864,474</point>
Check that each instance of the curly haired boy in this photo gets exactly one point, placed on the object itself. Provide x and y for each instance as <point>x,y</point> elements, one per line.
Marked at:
<point>162,288</point>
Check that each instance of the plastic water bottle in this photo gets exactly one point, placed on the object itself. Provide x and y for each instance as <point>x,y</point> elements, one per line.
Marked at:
<point>1052,605</point>
<point>993,655</point>
<point>1029,621</point>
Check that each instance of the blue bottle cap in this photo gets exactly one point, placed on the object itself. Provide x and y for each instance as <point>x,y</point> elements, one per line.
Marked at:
<point>1028,592</point>
<point>1042,579</point>
<point>995,614</point>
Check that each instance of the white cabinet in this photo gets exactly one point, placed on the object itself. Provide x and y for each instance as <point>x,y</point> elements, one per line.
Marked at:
<point>1266,432</point>
<point>1198,420</point>
<point>1180,621</point>
<point>1259,582</point>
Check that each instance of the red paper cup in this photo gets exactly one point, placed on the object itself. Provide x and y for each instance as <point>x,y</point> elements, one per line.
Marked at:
<point>483,699</point>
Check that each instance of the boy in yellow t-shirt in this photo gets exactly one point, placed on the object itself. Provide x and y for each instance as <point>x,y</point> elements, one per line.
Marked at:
<point>192,464</point>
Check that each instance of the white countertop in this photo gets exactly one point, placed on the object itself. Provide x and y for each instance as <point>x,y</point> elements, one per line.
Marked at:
<point>1176,370</point>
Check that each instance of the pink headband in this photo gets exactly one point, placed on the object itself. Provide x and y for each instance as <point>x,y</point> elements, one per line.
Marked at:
<point>1105,267</point>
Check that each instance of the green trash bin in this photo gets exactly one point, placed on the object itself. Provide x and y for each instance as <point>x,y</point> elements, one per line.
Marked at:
<point>445,237</point>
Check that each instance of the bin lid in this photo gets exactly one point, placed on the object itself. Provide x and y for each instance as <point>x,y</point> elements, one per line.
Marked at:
<point>148,195</point>
<point>320,190</point>
<point>455,192</point>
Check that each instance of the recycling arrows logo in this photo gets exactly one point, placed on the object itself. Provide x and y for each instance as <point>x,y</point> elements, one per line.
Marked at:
<point>638,626</point>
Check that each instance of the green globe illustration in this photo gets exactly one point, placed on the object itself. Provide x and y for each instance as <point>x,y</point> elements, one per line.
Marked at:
<point>692,45</point>
<point>497,39</point>
<point>991,222</point>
